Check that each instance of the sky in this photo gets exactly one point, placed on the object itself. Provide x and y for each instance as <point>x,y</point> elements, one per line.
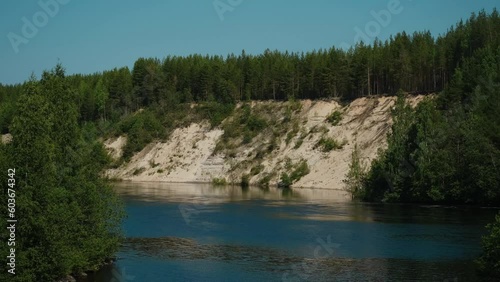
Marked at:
<point>92,36</point>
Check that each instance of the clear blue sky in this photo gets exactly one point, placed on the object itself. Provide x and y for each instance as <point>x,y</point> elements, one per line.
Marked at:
<point>92,35</point>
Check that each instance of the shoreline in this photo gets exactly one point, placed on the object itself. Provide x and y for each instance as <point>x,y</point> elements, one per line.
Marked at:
<point>229,184</point>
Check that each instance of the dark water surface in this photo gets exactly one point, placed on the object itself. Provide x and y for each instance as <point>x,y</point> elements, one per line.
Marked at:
<point>193,232</point>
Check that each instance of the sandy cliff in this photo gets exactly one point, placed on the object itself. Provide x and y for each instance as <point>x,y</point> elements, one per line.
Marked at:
<point>190,155</point>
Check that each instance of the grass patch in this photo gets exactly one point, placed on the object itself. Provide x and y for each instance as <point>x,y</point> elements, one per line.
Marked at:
<point>215,112</point>
<point>219,182</point>
<point>293,132</point>
<point>300,170</point>
<point>328,144</point>
<point>242,128</point>
<point>257,169</point>
<point>153,164</point>
<point>264,181</point>
<point>334,118</point>
<point>138,171</point>
<point>300,140</point>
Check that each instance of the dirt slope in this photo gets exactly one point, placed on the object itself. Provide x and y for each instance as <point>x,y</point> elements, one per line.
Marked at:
<point>190,154</point>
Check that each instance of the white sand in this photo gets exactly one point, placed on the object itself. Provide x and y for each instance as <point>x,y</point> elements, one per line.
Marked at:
<point>6,138</point>
<point>187,156</point>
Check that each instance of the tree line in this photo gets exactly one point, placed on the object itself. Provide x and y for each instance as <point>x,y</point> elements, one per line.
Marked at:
<point>415,63</point>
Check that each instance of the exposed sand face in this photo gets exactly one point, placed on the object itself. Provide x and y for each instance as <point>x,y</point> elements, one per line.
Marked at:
<point>6,138</point>
<point>115,146</point>
<point>188,155</point>
<point>184,157</point>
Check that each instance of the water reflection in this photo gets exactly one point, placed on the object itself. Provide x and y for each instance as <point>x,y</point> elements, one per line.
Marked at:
<point>206,193</point>
<point>296,268</point>
<point>197,232</point>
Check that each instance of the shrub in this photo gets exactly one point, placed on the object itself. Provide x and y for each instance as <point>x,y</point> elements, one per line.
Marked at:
<point>334,118</point>
<point>141,129</point>
<point>355,177</point>
<point>489,262</point>
<point>300,140</point>
<point>245,125</point>
<point>295,105</point>
<point>257,169</point>
<point>298,143</point>
<point>215,112</point>
<point>293,132</point>
<point>245,181</point>
<point>138,171</point>
<point>285,180</point>
<point>327,144</point>
<point>255,123</point>
<point>247,137</point>
<point>300,171</point>
<point>264,181</point>
<point>219,182</point>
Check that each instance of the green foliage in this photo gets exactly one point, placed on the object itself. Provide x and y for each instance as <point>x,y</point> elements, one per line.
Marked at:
<point>334,118</point>
<point>299,170</point>
<point>7,112</point>
<point>141,129</point>
<point>356,175</point>
<point>244,124</point>
<point>285,180</point>
<point>445,150</point>
<point>245,181</point>
<point>300,140</point>
<point>219,182</point>
<point>215,113</point>
<point>257,169</point>
<point>489,262</point>
<point>251,122</point>
<point>292,133</point>
<point>101,96</point>
<point>328,144</point>
<point>70,216</point>
<point>138,171</point>
<point>264,181</point>
<point>415,62</point>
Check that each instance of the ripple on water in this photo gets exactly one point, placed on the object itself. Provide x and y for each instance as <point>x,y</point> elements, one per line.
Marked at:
<point>292,267</point>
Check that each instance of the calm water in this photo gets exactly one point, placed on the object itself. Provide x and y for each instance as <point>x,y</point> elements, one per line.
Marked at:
<point>192,232</point>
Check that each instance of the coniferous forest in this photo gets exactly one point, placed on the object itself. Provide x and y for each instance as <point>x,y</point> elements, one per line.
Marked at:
<point>446,150</point>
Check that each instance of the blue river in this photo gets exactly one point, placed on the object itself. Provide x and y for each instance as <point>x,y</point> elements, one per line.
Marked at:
<point>195,232</point>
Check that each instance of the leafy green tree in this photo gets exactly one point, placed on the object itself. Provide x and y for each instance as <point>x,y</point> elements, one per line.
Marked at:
<point>70,216</point>
<point>489,262</point>
<point>101,96</point>
<point>355,176</point>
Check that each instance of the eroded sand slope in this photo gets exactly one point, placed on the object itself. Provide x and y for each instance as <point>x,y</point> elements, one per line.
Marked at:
<point>189,153</point>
